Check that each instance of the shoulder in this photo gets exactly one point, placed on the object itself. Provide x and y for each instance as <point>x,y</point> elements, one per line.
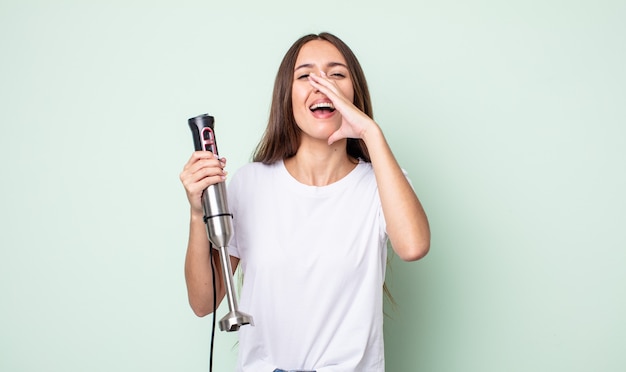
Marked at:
<point>249,181</point>
<point>251,173</point>
<point>363,170</point>
<point>254,170</point>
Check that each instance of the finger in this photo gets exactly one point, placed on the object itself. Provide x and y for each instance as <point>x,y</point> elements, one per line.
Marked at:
<point>202,155</point>
<point>205,182</point>
<point>206,171</point>
<point>206,163</point>
<point>196,156</point>
<point>323,84</point>
<point>202,159</point>
<point>330,89</point>
<point>334,137</point>
<point>195,183</point>
<point>201,169</point>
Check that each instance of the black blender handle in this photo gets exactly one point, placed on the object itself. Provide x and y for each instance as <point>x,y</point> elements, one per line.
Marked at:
<point>202,129</point>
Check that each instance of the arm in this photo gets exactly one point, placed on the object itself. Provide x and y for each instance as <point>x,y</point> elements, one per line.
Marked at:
<point>407,224</point>
<point>198,270</point>
<point>202,170</point>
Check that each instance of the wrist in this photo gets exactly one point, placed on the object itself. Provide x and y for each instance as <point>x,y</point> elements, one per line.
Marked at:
<point>372,134</point>
<point>196,216</point>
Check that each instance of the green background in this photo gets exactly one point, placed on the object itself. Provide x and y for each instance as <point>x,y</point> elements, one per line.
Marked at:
<point>510,117</point>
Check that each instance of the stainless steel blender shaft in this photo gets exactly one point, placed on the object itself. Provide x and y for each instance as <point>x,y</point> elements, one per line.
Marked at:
<point>219,229</point>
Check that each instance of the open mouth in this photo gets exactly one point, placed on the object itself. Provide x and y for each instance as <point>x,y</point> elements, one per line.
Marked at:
<point>322,107</point>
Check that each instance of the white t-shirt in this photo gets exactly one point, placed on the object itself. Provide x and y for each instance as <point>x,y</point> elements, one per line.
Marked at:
<point>313,261</point>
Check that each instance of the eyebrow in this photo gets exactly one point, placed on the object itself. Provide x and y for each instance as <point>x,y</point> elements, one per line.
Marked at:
<point>329,64</point>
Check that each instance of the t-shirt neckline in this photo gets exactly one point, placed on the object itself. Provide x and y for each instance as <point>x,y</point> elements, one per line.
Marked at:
<point>297,186</point>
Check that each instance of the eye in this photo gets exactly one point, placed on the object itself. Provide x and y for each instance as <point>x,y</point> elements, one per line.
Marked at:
<point>337,75</point>
<point>303,77</point>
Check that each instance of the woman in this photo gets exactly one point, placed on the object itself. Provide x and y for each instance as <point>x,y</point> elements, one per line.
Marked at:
<point>312,215</point>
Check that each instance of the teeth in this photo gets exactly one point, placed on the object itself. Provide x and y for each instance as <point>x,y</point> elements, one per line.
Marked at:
<point>322,105</point>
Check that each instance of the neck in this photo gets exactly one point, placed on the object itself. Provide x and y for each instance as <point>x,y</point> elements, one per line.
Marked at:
<point>320,165</point>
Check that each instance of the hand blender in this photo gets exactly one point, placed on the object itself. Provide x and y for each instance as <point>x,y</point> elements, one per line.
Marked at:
<point>218,221</point>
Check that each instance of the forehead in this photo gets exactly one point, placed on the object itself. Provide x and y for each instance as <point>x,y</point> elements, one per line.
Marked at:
<point>319,52</point>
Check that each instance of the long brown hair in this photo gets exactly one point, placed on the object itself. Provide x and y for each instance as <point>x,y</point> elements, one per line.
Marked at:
<point>282,135</point>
